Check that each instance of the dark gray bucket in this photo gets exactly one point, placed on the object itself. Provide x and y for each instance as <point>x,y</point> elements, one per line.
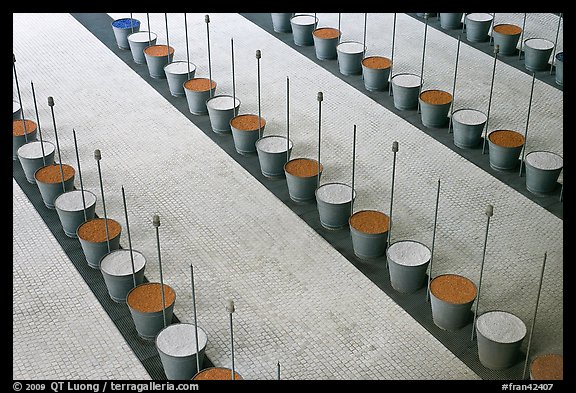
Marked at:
<point>176,345</point>
<point>375,79</point>
<point>122,29</point>
<point>467,126</point>
<point>368,245</point>
<point>116,268</point>
<point>70,209</point>
<point>434,115</point>
<point>504,158</point>
<point>196,99</point>
<point>16,110</point>
<point>507,43</point>
<point>449,310</point>
<point>245,140</point>
<point>281,21</point>
<point>405,90</point>
<point>560,68</point>
<point>156,64</point>
<point>138,42</point>
<point>19,140</point>
<point>350,55</point>
<point>500,335</point>
<point>31,159</point>
<point>325,48</point>
<point>94,251</point>
<point>51,191</point>
<point>176,74</point>
<point>407,263</point>
<point>302,27</point>
<point>477,26</point>
<point>451,21</point>
<point>272,155</point>
<point>537,52</point>
<point>221,109</point>
<point>149,323</point>
<point>542,171</point>
<point>334,201</point>
<point>302,188</point>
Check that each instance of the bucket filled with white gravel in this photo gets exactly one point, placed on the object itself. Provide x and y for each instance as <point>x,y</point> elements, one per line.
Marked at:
<point>542,171</point>
<point>273,152</point>
<point>467,127</point>
<point>74,208</point>
<point>334,201</point>
<point>116,268</point>
<point>500,335</point>
<point>178,345</point>
<point>407,263</point>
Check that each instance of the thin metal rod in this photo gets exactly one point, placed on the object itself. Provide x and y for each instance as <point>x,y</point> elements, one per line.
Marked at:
<point>496,50</point>
<point>527,122</point>
<point>19,99</point>
<point>187,48</point>
<point>149,30</point>
<point>522,37</point>
<point>320,98</point>
<point>232,345</point>
<point>233,78</point>
<point>463,24</point>
<point>364,43</point>
<point>195,320</point>
<point>491,42</point>
<point>207,20</point>
<point>454,84</point>
<point>131,24</point>
<point>534,318</point>
<point>561,192</point>
<point>98,156</point>
<point>79,174</point>
<point>278,369</point>
<point>489,212</point>
<point>129,238</point>
<point>433,241</point>
<point>339,24</point>
<point>39,129</point>
<point>156,223</point>
<point>555,44</point>
<point>394,150</point>
<point>287,119</point>
<point>258,55</point>
<point>51,104</point>
<point>423,57</point>
<point>167,41</point>
<point>353,170</point>
<point>392,57</point>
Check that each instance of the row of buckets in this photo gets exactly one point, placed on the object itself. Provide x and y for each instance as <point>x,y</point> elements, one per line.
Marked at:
<point>181,346</point>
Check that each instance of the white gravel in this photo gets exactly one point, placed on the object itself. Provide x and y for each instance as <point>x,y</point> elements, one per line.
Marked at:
<point>273,144</point>
<point>501,326</point>
<point>544,160</point>
<point>179,67</point>
<point>303,20</point>
<point>470,117</point>
<point>539,43</point>
<point>119,262</point>
<point>351,47</point>
<point>142,36</point>
<point>32,150</point>
<point>179,339</point>
<point>479,17</point>
<point>223,102</point>
<point>334,193</point>
<point>409,253</point>
<point>71,201</point>
<point>406,80</point>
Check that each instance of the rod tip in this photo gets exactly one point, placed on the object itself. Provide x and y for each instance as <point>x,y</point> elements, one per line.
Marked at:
<point>230,306</point>
<point>496,48</point>
<point>395,146</point>
<point>13,58</point>
<point>258,54</point>
<point>97,154</point>
<point>320,96</point>
<point>156,220</point>
<point>50,101</point>
<point>489,210</point>
<point>207,18</point>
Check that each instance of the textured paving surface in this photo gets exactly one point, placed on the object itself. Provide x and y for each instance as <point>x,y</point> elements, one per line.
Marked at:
<point>312,310</point>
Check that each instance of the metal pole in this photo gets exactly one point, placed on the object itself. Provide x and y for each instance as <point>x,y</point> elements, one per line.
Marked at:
<point>339,23</point>
<point>79,174</point>
<point>207,20</point>
<point>149,30</point>
<point>287,119</point>
<point>230,309</point>
<point>561,192</point>
<point>353,170</point>
<point>195,320</point>
<point>51,104</point>
<point>423,56</point>
<point>131,24</point>
<point>39,129</point>
<point>394,150</point>
<point>522,37</point>
<point>278,369</point>
<point>463,24</point>
<point>454,84</point>
<point>19,98</point>
<point>258,56</point>
<point>320,98</point>
<point>156,223</point>
<point>98,157</point>
<point>534,318</point>
<point>187,48</point>
<point>433,241</point>
<point>555,44</point>
<point>489,213</point>
<point>527,121</point>
<point>233,77</point>
<point>364,43</point>
<point>392,57</point>
<point>167,41</point>
<point>491,42</point>
<point>496,50</point>
<point>129,239</point>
